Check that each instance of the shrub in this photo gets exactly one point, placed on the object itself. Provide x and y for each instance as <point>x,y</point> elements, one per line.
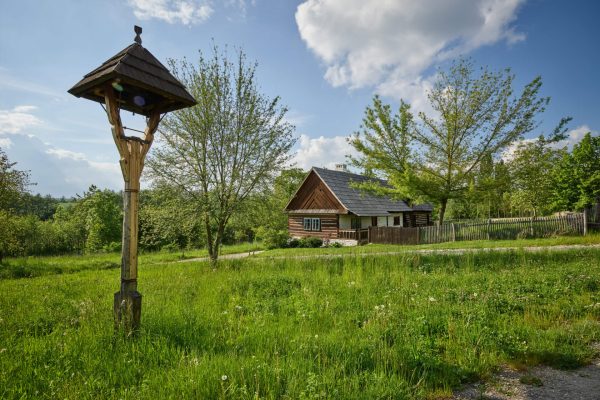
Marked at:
<point>293,243</point>
<point>310,242</point>
<point>112,247</point>
<point>273,239</point>
<point>336,245</point>
<point>170,248</point>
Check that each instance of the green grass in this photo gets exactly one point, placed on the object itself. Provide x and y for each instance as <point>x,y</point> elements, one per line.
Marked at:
<point>405,326</point>
<point>28,267</point>
<point>476,244</point>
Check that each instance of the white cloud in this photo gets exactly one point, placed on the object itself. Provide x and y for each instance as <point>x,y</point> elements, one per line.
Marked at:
<point>55,170</point>
<point>390,45</point>
<point>574,136</point>
<point>509,152</point>
<point>60,172</point>
<point>18,119</point>
<point>186,12</point>
<point>321,151</point>
<point>5,143</point>
<point>62,153</point>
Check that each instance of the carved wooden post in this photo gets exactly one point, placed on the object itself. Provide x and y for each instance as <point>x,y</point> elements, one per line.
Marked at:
<point>133,150</point>
<point>147,88</point>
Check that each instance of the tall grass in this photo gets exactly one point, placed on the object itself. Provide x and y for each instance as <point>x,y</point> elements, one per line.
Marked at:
<point>32,266</point>
<point>407,326</point>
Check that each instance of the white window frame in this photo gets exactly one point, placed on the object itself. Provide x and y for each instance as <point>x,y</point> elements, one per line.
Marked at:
<point>316,224</point>
<point>312,224</point>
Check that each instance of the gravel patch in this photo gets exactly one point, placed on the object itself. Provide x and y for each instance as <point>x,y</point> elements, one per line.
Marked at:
<point>538,383</point>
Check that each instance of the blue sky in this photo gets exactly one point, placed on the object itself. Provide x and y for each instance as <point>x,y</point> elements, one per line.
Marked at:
<point>325,58</point>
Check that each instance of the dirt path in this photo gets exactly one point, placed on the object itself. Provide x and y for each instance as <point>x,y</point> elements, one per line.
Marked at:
<point>539,383</point>
<point>531,249</point>
<point>422,251</point>
<point>224,256</point>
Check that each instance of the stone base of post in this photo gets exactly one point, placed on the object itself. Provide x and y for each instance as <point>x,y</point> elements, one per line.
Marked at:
<point>127,311</point>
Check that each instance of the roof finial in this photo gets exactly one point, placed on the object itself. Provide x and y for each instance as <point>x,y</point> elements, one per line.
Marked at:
<point>138,32</point>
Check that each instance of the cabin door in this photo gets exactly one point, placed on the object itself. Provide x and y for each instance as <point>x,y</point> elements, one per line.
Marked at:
<point>373,221</point>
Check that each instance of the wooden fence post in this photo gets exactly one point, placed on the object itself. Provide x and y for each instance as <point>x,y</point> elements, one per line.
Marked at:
<point>585,221</point>
<point>453,232</point>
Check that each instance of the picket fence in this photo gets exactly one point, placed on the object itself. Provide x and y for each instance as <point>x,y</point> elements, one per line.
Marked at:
<point>491,229</point>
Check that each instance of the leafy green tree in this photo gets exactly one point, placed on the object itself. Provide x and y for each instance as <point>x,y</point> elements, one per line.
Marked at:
<point>13,183</point>
<point>383,140</point>
<point>228,146</point>
<point>531,171</point>
<point>43,207</point>
<point>262,214</point>
<point>9,243</point>
<point>168,218</point>
<point>71,228</point>
<point>565,190</point>
<point>100,212</point>
<point>474,115</point>
<point>586,170</point>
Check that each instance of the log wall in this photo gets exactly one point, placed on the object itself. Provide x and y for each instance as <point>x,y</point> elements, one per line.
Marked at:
<point>416,218</point>
<point>329,226</point>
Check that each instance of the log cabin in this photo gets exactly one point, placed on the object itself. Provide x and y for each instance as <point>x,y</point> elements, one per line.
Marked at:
<point>328,206</point>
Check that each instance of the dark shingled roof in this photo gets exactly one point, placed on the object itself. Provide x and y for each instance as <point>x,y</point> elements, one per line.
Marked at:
<point>360,202</point>
<point>136,67</point>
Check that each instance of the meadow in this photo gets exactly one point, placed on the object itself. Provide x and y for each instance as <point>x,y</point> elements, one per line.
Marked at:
<point>359,327</point>
<point>32,266</point>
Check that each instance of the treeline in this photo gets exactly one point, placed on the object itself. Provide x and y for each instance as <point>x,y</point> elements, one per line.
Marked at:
<point>168,219</point>
<point>539,177</point>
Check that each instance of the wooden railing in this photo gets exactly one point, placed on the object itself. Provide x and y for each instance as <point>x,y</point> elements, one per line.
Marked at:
<point>360,235</point>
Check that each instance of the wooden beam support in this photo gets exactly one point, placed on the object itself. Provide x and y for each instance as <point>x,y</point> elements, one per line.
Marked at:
<point>132,151</point>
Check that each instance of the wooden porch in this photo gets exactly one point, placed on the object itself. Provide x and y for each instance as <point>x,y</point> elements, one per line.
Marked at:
<point>360,235</point>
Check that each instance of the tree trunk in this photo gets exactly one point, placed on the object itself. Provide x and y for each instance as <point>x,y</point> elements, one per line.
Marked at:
<point>209,239</point>
<point>218,240</point>
<point>443,204</point>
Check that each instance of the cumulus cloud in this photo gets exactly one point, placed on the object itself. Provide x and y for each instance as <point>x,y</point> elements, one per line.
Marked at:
<point>574,136</point>
<point>390,45</point>
<point>18,119</point>
<point>55,170</point>
<point>321,151</point>
<point>186,12</point>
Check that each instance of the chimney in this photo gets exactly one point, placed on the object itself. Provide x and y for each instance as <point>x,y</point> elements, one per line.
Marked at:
<point>341,167</point>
